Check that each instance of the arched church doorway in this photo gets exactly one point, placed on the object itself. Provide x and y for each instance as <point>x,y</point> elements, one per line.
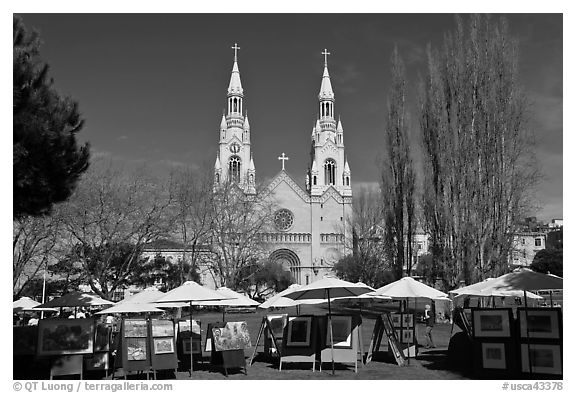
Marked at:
<point>289,260</point>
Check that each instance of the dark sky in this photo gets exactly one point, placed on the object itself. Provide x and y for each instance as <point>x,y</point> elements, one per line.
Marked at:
<point>152,87</point>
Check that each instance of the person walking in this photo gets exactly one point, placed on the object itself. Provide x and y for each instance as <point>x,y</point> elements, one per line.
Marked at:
<point>429,320</point>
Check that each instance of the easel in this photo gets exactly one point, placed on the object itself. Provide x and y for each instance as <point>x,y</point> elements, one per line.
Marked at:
<point>265,328</point>
<point>299,353</point>
<point>384,325</point>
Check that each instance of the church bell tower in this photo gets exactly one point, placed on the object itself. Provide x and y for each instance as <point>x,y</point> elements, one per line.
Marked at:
<point>234,162</point>
<point>328,167</point>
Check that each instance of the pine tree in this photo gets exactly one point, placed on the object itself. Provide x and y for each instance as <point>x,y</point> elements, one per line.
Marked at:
<point>47,162</point>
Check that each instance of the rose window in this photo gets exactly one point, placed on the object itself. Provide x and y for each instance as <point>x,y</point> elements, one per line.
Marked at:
<point>283,219</point>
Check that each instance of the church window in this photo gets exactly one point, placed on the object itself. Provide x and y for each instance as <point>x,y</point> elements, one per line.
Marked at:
<point>217,178</point>
<point>321,218</point>
<point>314,180</point>
<point>234,169</point>
<point>283,219</point>
<point>330,172</point>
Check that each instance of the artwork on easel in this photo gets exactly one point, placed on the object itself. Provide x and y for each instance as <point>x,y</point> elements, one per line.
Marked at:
<point>539,323</point>
<point>162,328</point>
<point>407,320</point>
<point>396,320</point>
<point>136,348</point>
<point>184,326</point>
<point>234,335</point>
<point>544,358</point>
<point>277,324</point>
<point>135,328</point>
<point>65,336</point>
<point>163,345</point>
<point>494,356</point>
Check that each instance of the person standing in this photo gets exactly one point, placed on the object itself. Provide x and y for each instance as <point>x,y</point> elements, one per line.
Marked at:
<point>429,320</point>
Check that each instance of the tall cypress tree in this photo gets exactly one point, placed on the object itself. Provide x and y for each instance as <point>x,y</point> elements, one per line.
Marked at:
<point>47,161</point>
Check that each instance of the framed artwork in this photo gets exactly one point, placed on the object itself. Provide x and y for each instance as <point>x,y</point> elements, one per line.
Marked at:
<point>102,338</point>
<point>277,324</point>
<point>184,326</point>
<point>545,358</point>
<point>407,336</point>
<point>234,335</point>
<point>396,320</point>
<point>341,330</point>
<point>539,323</point>
<point>98,361</point>
<point>407,320</point>
<point>494,355</point>
<point>162,328</point>
<point>163,345</point>
<point>299,329</point>
<point>135,328</point>
<point>136,348</point>
<point>491,322</point>
<point>65,336</point>
<point>196,346</point>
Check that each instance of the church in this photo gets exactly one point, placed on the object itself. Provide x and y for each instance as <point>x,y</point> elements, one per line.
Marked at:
<point>311,224</point>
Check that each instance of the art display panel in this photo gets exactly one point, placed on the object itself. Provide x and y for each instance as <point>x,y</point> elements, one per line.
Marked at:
<point>299,329</point>
<point>539,324</point>
<point>65,336</point>
<point>136,348</point>
<point>491,323</point>
<point>162,328</point>
<point>163,345</point>
<point>494,355</point>
<point>341,330</point>
<point>234,335</point>
<point>545,358</point>
<point>102,338</point>
<point>396,320</point>
<point>135,328</point>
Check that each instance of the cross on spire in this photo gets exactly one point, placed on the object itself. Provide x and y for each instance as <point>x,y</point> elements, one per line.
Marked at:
<point>235,47</point>
<point>283,158</point>
<point>325,53</point>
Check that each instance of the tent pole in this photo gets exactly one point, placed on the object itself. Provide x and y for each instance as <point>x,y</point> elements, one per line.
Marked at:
<point>223,314</point>
<point>330,327</point>
<point>551,304</point>
<point>528,334</point>
<point>191,346</point>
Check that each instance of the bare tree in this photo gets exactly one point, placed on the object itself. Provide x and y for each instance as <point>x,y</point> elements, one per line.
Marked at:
<point>191,210</point>
<point>478,157</point>
<point>398,176</point>
<point>34,246</point>
<point>238,223</point>
<point>110,218</point>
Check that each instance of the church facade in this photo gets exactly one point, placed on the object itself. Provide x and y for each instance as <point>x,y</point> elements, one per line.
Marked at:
<point>311,224</point>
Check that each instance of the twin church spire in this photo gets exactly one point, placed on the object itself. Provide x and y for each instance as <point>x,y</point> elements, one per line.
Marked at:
<point>235,162</point>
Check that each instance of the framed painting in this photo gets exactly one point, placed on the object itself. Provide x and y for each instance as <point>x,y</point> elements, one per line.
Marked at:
<point>396,319</point>
<point>539,323</point>
<point>494,355</point>
<point>491,322</point>
<point>196,346</point>
<point>65,336</point>
<point>162,328</point>
<point>299,329</point>
<point>135,328</point>
<point>234,335</point>
<point>277,324</point>
<point>184,326</point>
<point>341,330</point>
<point>136,348</point>
<point>98,361</point>
<point>544,359</point>
<point>163,345</point>
<point>407,336</point>
<point>407,320</point>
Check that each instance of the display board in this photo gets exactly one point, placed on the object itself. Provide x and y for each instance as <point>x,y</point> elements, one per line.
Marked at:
<point>65,336</point>
<point>163,343</point>
<point>299,340</point>
<point>494,340</point>
<point>540,342</point>
<point>135,345</point>
<point>183,340</point>
<point>227,341</point>
<point>100,359</point>
<point>346,330</point>
<point>384,328</point>
<point>24,340</point>
<point>405,326</point>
